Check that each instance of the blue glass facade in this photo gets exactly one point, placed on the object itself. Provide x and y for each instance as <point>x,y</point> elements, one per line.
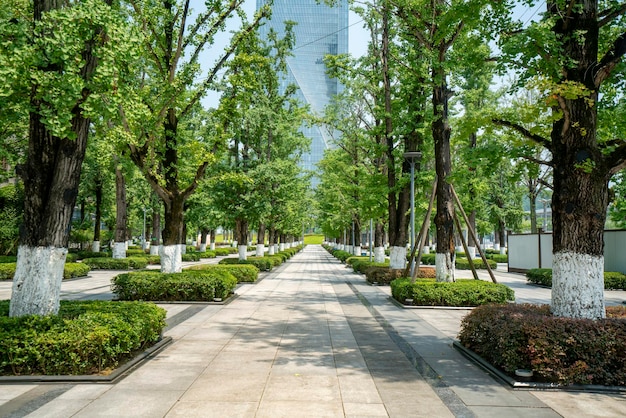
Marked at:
<point>321,30</point>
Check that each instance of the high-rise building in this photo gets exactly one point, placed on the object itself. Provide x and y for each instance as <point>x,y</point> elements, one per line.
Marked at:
<point>320,30</point>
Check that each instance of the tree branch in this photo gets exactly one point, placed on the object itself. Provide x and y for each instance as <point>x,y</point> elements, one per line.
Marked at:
<point>524,132</point>
<point>608,15</point>
<point>617,159</point>
<point>179,42</point>
<point>610,60</point>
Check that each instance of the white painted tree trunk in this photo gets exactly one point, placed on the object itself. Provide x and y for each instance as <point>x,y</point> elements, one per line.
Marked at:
<point>260,250</point>
<point>496,247</point>
<point>379,254</point>
<point>37,281</point>
<point>444,267</point>
<point>281,246</point>
<point>202,247</point>
<point>194,243</point>
<point>155,250</point>
<point>349,249</point>
<point>271,250</point>
<point>171,258</point>
<point>397,257</point>
<point>212,246</point>
<point>234,244</point>
<point>128,243</point>
<point>119,250</point>
<point>578,285</point>
<point>183,249</point>
<point>503,250</point>
<point>472,252</point>
<point>357,250</point>
<point>426,250</point>
<point>95,246</point>
<point>243,252</point>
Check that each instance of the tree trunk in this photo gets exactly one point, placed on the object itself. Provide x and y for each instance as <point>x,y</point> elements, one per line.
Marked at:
<point>444,221</point>
<point>155,238</point>
<point>379,246</point>
<point>96,228</point>
<point>173,238</point>
<point>121,218</point>
<point>212,244</point>
<point>241,228</point>
<point>260,241</point>
<point>51,176</point>
<point>204,233</point>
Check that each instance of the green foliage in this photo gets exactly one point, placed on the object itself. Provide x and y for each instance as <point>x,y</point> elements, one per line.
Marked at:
<point>498,258</point>
<point>199,285</point>
<point>8,259</point>
<point>427,292</point>
<point>191,257</point>
<point>224,251</point>
<point>11,202</point>
<point>208,254</point>
<point>81,255</point>
<point>560,350</point>
<point>341,255</point>
<point>84,338</point>
<point>116,263</point>
<point>262,263</point>
<point>463,264</point>
<point>612,280</point>
<point>313,239</point>
<point>70,270</point>
<point>382,274</point>
<point>245,273</point>
<point>130,252</point>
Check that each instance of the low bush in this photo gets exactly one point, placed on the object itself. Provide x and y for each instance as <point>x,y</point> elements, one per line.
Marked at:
<point>559,350</point>
<point>355,259</point>
<point>70,270</point>
<point>463,264</point>
<point>190,285</point>
<point>427,292</point>
<point>224,251</point>
<point>135,251</point>
<point>245,273</point>
<point>116,263</point>
<point>361,266</point>
<point>382,275</point>
<point>498,258</point>
<point>8,259</point>
<point>275,259</point>
<point>86,337</point>
<point>612,280</point>
<point>90,254</point>
<point>208,254</point>
<point>428,259</point>
<point>191,257</point>
<point>71,258</point>
<point>341,255</point>
<point>262,263</point>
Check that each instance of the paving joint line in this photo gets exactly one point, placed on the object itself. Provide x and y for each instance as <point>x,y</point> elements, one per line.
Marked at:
<point>440,387</point>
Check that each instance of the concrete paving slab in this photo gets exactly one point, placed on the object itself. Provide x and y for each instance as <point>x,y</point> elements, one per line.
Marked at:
<point>60,408</point>
<point>213,409</point>
<point>235,386</point>
<point>580,404</point>
<point>306,388</point>
<point>362,410</point>
<point>300,409</point>
<point>131,403</point>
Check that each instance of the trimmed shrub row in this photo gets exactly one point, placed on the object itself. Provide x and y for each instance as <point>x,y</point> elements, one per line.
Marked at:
<point>427,292</point>
<point>116,263</point>
<point>223,251</point>
<point>612,280</point>
<point>267,262</point>
<point>86,337</point>
<point>194,286</point>
<point>70,270</point>
<point>558,350</point>
<point>8,259</point>
<point>245,273</point>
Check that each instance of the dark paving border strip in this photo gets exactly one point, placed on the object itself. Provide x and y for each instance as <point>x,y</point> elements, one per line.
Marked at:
<point>32,400</point>
<point>183,315</point>
<point>447,395</point>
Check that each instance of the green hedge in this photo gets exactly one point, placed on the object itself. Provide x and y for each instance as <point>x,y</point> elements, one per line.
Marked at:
<point>192,286</point>
<point>559,350</point>
<point>427,292</point>
<point>498,258</point>
<point>224,251</point>
<point>116,263</point>
<point>84,338</point>
<point>341,255</point>
<point>208,254</point>
<point>70,270</point>
<point>262,263</point>
<point>361,266</point>
<point>612,280</point>
<point>245,273</point>
<point>463,264</point>
<point>191,257</point>
<point>8,259</point>
<point>135,251</point>
<point>90,254</point>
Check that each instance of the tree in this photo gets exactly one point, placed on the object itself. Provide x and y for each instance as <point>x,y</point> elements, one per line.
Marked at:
<point>63,62</point>
<point>571,55</point>
<point>168,94</point>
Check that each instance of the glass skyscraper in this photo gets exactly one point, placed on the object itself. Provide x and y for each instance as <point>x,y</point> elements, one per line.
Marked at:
<point>320,30</point>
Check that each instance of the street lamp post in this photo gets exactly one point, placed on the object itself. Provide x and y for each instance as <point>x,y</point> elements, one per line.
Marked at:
<point>412,156</point>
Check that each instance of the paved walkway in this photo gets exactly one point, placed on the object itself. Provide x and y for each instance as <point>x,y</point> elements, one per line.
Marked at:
<point>311,339</point>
